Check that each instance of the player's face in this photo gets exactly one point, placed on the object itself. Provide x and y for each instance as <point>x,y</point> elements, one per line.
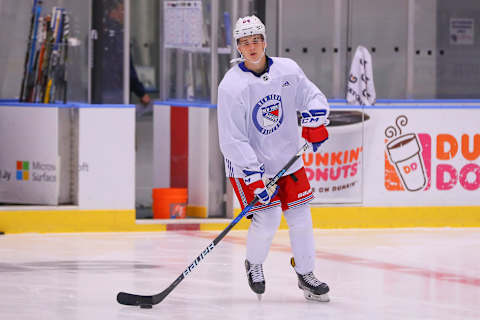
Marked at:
<point>252,47</point>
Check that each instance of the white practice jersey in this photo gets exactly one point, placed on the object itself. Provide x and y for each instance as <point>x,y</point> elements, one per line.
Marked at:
<point>257,116</point>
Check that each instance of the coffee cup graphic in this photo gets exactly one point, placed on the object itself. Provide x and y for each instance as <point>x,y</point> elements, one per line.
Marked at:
<point>405,153</point>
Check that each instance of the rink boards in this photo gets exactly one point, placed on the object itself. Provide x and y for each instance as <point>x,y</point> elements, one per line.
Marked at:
<point>57,220</point>
<point>406,164</point>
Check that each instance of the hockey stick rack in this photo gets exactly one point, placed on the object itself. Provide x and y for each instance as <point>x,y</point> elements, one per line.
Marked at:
<point>131,299</point>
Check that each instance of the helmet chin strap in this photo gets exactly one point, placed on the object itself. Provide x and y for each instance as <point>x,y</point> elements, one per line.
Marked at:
<point>260,58</point>
<point>242,58</point>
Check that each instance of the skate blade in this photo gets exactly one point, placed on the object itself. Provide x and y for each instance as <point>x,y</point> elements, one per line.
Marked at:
<point>320,298</point>
<point>259,297</point>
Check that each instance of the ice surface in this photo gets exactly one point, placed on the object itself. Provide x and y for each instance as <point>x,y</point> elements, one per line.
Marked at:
<point>372,274</point>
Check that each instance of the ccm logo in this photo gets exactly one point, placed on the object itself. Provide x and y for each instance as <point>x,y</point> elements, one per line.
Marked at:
<point>198,259</point>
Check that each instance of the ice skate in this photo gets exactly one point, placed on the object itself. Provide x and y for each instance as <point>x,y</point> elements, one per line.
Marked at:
<point>256,280</point>
<point>313,289</point>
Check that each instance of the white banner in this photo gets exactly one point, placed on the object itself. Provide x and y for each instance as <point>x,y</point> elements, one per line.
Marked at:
<point>335,171</point>
<point>413,156</point>
<point>29,164</point>
<point>106,158</point>
<point>423,157</point>
<point>183,24</point>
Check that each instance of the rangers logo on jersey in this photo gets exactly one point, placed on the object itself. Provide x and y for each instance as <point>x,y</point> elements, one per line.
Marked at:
<point>268,114</point>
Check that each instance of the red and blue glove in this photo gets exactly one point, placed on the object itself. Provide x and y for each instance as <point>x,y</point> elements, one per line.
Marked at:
<point>253,180</point>
<point>313,127</point>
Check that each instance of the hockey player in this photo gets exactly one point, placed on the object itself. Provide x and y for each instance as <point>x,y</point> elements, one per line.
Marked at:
<point>258,100</point>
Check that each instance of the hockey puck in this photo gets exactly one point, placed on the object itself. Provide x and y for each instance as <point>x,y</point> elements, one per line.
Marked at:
<point>146,306</point>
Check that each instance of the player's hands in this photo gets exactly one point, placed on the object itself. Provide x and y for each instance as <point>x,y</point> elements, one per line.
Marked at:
<point>145,100</point>
<point>316,136</point>
<point>313,127</point>
<point>315,118</point>
<point>253,180</point>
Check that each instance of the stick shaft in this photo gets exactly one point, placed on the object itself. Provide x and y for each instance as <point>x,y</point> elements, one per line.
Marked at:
<point>132,299</point>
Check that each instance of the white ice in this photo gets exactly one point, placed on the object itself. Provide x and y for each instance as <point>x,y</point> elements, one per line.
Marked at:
<point>372,274</point>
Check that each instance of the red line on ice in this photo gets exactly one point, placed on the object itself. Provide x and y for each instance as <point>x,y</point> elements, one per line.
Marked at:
<point>444,276</point>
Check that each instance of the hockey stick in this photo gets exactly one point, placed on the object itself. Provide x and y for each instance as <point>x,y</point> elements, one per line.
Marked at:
<point>30,82</point>
<point>27,53</point>
<point>148,301</point>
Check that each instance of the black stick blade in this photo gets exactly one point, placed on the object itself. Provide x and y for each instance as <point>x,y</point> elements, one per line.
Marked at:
<point>129,299</point>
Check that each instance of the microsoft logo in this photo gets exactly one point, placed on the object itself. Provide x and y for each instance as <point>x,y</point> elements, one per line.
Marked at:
<point>23,168</point>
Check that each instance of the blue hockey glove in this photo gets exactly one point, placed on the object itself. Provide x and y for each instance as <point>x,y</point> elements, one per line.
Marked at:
<point>315,118</point>
<point>253,180</point>
<point>313,127</point>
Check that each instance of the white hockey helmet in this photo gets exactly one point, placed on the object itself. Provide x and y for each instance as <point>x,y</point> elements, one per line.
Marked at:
<point>248,26</point>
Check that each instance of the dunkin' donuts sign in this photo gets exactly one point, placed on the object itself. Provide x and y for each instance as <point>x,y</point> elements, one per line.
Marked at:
<point>418,161</point>
<point>335,171</point>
